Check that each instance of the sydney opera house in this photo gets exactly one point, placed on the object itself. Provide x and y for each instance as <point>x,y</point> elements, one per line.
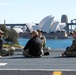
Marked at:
<point>51,28</point>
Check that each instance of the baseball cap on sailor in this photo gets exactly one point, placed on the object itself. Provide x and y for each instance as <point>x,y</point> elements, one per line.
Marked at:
<point>74,32</point>
<point>39,30</point>
<point>34,32</point>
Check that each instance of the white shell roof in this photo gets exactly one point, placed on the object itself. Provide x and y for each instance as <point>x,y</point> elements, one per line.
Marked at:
<point>55,27</point>
<point>18,30</point>
<point>47,24</point>
<point>30,26</point>
<point>62,25</point>
<point>42,22</point>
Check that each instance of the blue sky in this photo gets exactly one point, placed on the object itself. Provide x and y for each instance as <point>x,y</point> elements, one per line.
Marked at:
<point>25,11</point>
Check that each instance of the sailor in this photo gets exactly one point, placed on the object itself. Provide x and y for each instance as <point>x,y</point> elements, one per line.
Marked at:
<point>46,50</point>
<point>33,47</point>
<point>71,51</point>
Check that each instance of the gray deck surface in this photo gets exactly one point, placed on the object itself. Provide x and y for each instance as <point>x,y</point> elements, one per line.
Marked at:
<point>45,64</point>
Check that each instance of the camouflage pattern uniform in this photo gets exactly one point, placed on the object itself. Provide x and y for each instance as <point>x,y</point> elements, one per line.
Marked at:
<point>43,41</point>
<point>71,51</point>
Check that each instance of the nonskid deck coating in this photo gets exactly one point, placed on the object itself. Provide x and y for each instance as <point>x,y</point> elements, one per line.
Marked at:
<point>51,62</point>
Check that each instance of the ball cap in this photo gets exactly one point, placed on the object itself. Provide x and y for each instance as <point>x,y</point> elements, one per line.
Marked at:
<point>74,32</point>
<point>39,30</point>
<point>34,32</point>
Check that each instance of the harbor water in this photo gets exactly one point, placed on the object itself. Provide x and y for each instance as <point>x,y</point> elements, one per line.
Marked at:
<point>52,43</point>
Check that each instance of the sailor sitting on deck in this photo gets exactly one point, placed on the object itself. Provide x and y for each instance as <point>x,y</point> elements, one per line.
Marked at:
<point>71,51</point>
<point>46,50</point>
<point>33,47</point>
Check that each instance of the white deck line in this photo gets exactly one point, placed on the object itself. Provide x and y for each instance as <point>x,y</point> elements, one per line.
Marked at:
<point>3,64</point>
<point>40,69</point>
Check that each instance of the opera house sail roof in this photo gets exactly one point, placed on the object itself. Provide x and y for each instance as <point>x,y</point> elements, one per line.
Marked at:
<point>55,27</point>
<point>42,22</point>
<point>48,25</point>
<point>62,26</point>
<point>18,30</point>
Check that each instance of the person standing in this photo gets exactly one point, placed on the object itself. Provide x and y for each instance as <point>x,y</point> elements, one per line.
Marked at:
<point>33,47</point>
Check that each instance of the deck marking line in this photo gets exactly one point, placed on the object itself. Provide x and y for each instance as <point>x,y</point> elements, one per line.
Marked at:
<point>3,64</point>
<point>57,73</point>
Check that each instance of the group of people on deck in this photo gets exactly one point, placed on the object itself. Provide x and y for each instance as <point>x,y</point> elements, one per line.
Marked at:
<point>36,46</point>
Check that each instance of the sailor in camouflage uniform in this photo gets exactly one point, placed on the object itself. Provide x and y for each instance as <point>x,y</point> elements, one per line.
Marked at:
<point>46,50</point>
<point>71,51</point>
